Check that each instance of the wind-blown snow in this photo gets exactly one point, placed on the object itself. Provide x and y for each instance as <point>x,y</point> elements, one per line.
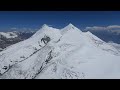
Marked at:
<point>68,53</point>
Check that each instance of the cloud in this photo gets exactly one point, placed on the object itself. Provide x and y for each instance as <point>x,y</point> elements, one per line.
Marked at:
<point>95,28</point>
<point>14,28</point>
<point>111,27</point>
<point>23,29</point>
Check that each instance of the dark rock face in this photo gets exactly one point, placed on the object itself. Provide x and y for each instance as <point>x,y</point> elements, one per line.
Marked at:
<point>5,42</point>
<point>46,39</point>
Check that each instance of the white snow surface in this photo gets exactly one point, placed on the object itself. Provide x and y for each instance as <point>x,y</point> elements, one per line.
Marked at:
<point>68,54</point>
<point>117,46</point>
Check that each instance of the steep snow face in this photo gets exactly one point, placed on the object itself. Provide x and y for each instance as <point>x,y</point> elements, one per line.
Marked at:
<point>60,54</point>
<point>72,35</point>
<point>23,50</point>
<point>117,46</point>
<point>101,44</point>
<point>52,33</point>
<point>82,56</point>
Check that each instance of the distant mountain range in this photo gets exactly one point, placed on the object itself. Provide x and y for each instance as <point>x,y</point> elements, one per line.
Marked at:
<point>9,38</point>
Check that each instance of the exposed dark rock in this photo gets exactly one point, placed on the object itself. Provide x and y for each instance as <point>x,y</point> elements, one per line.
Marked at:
<point>46,39</point>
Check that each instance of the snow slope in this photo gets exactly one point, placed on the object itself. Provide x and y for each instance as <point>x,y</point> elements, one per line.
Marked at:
<point>117,46</point>
<point>68,53</point>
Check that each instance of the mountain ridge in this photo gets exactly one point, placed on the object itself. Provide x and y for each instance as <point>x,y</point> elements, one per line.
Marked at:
<point>54,55</point>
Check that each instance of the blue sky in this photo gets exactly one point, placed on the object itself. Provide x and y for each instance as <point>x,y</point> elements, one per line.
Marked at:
<point>58,19</point>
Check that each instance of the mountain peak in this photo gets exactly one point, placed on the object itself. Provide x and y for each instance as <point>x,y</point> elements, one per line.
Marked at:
<point>70,25</point>
<point>45,26</point>
<point>50,55</point>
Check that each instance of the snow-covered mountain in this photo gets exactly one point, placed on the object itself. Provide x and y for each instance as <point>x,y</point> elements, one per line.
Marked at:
<point>106,35</point>
<point>68,53</point>
<point>117,46</point>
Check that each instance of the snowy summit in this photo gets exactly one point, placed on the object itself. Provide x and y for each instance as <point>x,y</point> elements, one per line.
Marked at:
<point>68,53</point>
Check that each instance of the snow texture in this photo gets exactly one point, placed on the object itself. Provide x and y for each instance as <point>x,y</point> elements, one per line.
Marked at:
<point>68,53</point>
